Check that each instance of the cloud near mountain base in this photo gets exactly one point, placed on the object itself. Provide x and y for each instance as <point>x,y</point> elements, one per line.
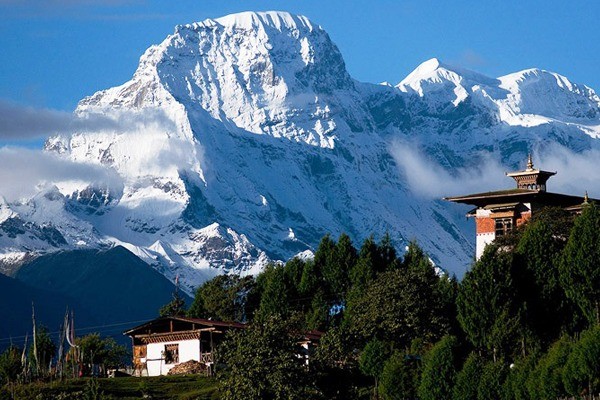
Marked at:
<point>24,172</point>
<point>577,172</point>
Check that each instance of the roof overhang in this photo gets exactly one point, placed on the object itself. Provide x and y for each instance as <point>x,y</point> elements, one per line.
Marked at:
<point>546,174</point>
<point>504,197</point>
<point>193,324</point>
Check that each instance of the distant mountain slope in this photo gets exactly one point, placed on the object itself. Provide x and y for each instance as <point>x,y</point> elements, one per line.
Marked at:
<point>248,141</point>
<point>110,286</point>
<point>16,299</point>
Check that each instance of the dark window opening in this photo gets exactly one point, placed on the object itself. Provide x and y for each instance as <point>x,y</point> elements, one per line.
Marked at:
<point>171,353</point>
<point>503,226</point>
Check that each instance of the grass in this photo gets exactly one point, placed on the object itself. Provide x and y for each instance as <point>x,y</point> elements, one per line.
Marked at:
<point>163,387</point>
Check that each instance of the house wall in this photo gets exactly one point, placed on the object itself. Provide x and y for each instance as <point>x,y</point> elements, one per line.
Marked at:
<point>188,350</point>
<point>482,240</point>
<point>485,228</point>
<point>524,217</point>
<point>485,231</point>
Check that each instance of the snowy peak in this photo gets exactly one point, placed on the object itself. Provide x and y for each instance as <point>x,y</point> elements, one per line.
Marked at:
<point>250,141</point>
<point>267,73</point>
<point>540,92</point>
<point>528,98</point>
<point>250,20</point>
<point>444,82</point>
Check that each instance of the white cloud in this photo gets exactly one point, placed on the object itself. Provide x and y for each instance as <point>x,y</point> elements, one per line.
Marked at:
<point>23,172</point>
<point>577,172</point>
<point>24,122</point>
<point>426,178</point>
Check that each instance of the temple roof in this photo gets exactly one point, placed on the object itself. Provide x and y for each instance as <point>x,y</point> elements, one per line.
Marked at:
<point>517,195</point>
<point>531,178</point>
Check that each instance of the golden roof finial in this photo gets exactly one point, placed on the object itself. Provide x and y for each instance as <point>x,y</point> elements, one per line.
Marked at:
<point>586,198</point>
<point>529,162</point>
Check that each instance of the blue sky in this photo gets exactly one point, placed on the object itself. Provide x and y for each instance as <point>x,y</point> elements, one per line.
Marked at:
<point>55,52</point>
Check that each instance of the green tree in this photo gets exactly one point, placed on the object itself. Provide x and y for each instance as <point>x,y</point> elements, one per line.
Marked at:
<point>335,365</point>
<point>387,253</point>
<point>10,365</point>
<point>293,275</point>
<point>515,386</point>
<point>439,371</point>
<point>366,265</point>
<point>547,380</point>
<point>491,381</point>
<point>318,314</point>
<point>400,305</point>
<point>372,359</point>
<point>223,298</point>
<point>274,291</point>
<point>46,350</point>
<point>101,351</point>
<point>262,363</point>
<point>176,307</point>
<point>328,269</point>
<point>580,264</point>
<point>467,379</point>
<point>334,348</point>
<point>545,304</point>
<point>582,370</point>
<point>345,258</point>
<point>399,377</point>
<point>488,311</point>
<point>312,279</point>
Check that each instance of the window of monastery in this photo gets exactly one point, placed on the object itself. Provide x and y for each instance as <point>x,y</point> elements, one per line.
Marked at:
<point>503,226</point>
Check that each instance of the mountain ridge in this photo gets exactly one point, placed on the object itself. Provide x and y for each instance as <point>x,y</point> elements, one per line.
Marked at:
<point>262,143</point>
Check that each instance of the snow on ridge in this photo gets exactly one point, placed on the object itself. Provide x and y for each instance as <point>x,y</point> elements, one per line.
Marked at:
<point>436,72</point>
<point>279,20</point>
<point>217,190</point>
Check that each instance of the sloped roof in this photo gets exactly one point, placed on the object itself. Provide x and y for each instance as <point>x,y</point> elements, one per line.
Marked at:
<point>517,195</point>
<point>208,323</point>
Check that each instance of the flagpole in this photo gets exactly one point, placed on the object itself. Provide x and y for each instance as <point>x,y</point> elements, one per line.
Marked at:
<point>35,354</point>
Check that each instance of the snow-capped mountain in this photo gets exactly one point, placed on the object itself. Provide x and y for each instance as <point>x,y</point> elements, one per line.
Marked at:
<point>248,141</point>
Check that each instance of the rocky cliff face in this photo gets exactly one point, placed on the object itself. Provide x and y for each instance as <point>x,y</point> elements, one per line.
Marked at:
<point>246,140</point>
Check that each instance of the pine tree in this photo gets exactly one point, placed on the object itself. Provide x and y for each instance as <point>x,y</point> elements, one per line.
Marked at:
<point>439,371</point>
<point>491,381</point>
<point>372,359</point>
<point>325,264</point>
<point>580,264</point>
<point>467,379</point>
<point>582,370</point>
<point>262,363</point>
<point>312,279</point>
<point>387,253</point>
<point>365,268</point>
<point>293,275</point>
<point>274,291</point>
<point>345,258</point>
<point>487,309</point>
<point>545,308</point>
<point>399,377</point>
<point>548,383</point>
<point>175,307</point>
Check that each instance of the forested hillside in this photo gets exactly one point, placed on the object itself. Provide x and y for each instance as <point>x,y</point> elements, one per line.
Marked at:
<point>522,324</point>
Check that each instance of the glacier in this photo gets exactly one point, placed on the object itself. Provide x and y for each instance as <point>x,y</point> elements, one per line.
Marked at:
<point>249,141</point>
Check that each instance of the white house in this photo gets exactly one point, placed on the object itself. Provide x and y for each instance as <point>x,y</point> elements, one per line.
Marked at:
<point>161,344</point>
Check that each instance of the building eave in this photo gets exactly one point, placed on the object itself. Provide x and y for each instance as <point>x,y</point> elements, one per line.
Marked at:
<point>518,195</point>
<point>197,321</point>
